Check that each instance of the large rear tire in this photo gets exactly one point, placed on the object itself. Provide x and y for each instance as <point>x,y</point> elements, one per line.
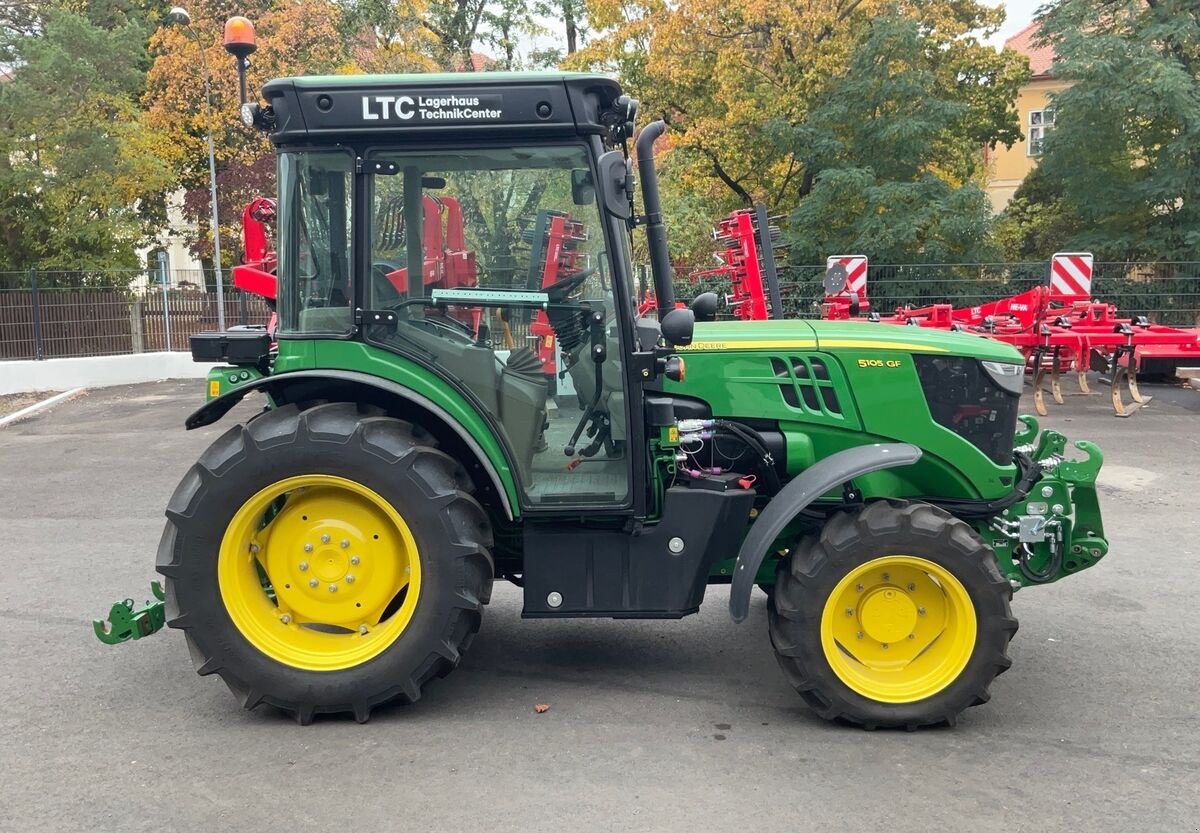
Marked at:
<point>895,615</point>
<point>326,561</point>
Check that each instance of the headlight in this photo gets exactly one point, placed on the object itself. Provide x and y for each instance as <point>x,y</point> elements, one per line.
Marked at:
<point>1010,377</point>
<point>249,113</point>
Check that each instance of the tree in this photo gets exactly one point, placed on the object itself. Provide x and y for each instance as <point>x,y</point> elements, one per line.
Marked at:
<point>573,14</point>
<point>75,153</point>
<point>295,37</point>
<point>386,37</point>
<point>1037,221</point>
<point>448,34</point>
<point>885,151</point>
<point>723,72</point>
<point>18,19</point>
<point>1125,154</point>
<point>733,77</point>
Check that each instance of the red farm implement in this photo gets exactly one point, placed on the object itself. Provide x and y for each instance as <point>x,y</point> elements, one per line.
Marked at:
<point>554,242</point>
<point>747,256</point>
<point>1058,326</point>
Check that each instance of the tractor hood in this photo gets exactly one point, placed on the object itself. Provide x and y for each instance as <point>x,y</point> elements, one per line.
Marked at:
<point>835,336</point>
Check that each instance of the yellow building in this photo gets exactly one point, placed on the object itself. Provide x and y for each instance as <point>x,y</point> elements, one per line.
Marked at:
<point>1008,166</point>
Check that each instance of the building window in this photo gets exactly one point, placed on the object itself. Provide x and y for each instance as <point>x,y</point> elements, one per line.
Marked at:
<point>1040,123</point>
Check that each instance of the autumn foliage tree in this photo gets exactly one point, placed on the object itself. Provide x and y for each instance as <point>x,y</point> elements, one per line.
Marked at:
<point>295,37</point>
<point>740,82</point>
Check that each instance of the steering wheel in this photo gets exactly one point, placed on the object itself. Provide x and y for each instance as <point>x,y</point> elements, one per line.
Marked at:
<point>395,301</point>
<point>449,322</point>
<point>569,284</point>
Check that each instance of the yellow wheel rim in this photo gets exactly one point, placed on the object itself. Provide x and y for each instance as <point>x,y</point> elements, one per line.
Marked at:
<point>319,572</point>
<point>898,629</point>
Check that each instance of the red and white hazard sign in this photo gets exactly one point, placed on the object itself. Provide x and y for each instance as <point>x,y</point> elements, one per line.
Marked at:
<point>856,271</point>
<point>1071,274</point>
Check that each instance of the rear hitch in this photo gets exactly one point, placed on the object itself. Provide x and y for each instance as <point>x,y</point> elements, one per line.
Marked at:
<point>127,622</point>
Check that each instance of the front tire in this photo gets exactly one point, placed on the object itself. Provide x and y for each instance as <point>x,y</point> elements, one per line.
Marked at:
<point>325,561</point>
<point>895,615</point>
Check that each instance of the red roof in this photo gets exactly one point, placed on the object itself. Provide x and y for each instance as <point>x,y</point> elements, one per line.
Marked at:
<point>1041,58</point>
<point>479,63</point>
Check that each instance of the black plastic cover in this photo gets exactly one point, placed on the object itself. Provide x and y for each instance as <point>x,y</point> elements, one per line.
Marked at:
<point>619,574</point>
<point>237,347</point>
<point>660,411</point>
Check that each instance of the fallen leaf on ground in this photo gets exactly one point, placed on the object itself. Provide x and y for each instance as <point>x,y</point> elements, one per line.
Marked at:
<point>541,708</point>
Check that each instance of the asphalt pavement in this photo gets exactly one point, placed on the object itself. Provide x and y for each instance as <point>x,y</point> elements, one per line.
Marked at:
<point>652,726</point>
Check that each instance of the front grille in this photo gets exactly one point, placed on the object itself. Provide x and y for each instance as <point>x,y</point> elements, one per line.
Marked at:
<point>963,397</point>
<point>805,385</point>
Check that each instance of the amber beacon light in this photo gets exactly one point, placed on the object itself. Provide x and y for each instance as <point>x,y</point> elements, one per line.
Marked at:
<point>239,37</point>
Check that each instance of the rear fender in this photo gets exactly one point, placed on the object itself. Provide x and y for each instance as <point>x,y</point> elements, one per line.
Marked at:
<point>299,385</point>
<point>815,481</point>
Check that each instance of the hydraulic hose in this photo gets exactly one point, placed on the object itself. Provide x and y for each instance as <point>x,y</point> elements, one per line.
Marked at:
<point>1031,473</point>
<point>754,442</point>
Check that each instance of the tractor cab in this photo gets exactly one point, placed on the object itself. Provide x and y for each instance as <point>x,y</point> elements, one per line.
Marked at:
<point>475,225</point>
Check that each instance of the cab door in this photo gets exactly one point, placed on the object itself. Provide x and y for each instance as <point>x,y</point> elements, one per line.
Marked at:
<point>533,336</point>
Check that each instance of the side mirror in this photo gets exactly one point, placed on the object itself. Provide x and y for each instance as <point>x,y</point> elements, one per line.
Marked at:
<point>583,190</point>
<point>677,327</point>
<point>614,176</point>
<point>704,306</point>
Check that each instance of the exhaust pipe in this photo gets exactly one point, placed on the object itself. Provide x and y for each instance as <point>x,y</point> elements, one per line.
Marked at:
<point>656,233</point>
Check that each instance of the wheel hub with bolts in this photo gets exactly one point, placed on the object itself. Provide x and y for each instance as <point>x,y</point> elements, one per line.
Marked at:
<point>312,545</point>
<point>337,557</point>
<point>898,628</point>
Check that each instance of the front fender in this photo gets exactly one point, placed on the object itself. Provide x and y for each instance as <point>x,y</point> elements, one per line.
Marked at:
<point>277,387</point>
<point>815,481</point>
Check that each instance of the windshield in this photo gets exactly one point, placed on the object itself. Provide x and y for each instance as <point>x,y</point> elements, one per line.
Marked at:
<point>504,219</point>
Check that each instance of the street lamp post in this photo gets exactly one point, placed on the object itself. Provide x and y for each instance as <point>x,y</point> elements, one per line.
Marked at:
<point>180,16</point>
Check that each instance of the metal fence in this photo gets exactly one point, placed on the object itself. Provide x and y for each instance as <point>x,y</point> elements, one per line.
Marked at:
<point>1166,293</point>
<point>48,315</point>
<point>58,314</point>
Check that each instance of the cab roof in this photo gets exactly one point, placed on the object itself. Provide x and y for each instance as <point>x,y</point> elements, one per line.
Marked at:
<point>450,79</point>
<point>418,107</point>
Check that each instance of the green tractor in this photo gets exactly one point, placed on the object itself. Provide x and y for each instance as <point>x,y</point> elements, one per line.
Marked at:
<point>420,439</point>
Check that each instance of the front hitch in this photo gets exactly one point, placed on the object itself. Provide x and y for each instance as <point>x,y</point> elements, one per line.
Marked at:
<point>1056,530</point>
<point>126,622</point>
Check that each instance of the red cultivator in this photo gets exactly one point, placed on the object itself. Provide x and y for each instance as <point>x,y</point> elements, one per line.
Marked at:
<point>1057,326</point>
<point>747,256</point>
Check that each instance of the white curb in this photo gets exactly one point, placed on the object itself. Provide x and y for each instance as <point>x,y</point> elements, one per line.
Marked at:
<point>26,376</point>
<point>37,406</point>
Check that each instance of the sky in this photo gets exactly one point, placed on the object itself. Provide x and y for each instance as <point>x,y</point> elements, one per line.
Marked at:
<point>1019,15</point>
